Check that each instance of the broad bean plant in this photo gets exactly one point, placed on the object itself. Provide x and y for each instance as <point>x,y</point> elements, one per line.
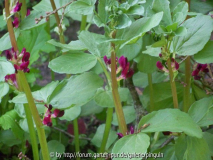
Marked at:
<point>140,90</point>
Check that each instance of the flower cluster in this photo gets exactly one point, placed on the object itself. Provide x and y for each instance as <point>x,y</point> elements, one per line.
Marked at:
<point>123,67</point>
<point>11,79</point>
<point>49,114</point>
<point>163,66</point>
<point>20,61</point>
<point>199,69</point>
<point>16,9</point>
<point>120,135</point>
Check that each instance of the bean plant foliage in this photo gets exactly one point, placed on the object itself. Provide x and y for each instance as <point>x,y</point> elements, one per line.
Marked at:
<point>140,89</point>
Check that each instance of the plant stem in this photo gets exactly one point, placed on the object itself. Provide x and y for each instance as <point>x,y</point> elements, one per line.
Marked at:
<point>116,97</point>
<point>76,134</point>
<point>29,123</point>
<point>186,93</point>
<point>172,83</point>
<point>52,73</point>
<point>109,113</point>
<point>23,9</point>
<point>151,93</point>
<point>23,84</point>
<point>106,130</point>
<point>61,34</point>
<point>35,114</point>
<point>32,132</point>
<point>83,22</point>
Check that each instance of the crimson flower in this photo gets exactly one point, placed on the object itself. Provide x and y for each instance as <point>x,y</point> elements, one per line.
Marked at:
<point>132,131</point>
<point>48,115</point>
<point>16,22</point>
<point>123,67</point>
<point>20,61</point>
<point>200,68</point>
<point>28,12</point>
<point>11,79</point>
<point>17,7</point>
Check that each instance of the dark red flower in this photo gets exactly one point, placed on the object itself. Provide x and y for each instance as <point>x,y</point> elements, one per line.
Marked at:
<point>58,113</point>
<point>159,65</point>
<point>11,79</point>
<point>17,7</point>
<point>9,55</point>
<point>47,121</point>
<point>120,135</point>
<point>123,62</point>
<point>107,61</point>
<point>28,12</point>
<point>200,68</point>
<point>16,22</point>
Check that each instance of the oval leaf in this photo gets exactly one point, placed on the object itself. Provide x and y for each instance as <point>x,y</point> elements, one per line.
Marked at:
<point>172,120</point>
<point>134,143</point>
<point>73,63</point>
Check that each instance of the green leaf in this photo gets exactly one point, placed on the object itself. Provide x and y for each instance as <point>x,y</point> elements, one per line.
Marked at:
<point>29,21</point>
<point>90,108</point>
<point>188,148</point>
<point>140,79</point>
<point>4,88</point>
<point>135,10</point>
<point>71,113</point>
<point>45,6</point>
<point>73,63</point>
<point>181,31</point>
<point>201,6</point>
<point>139,28</point>
<point>5,40</point>
<point>72,46</point>
<point>7,137</point>
<point>55,147</point>
<point>147,63</point>
<point>179,13</point>
<point>5,68</point>
<point>172,120</point>
<point>9,121</point>
<point>97,139</point>
<point>198,33</point>
<point>96,44</point>
<point>102,18</point>
<point>129,114</point>
<point>82,7</point>
<point>209,139</point>
<point>130,51</point>
<point>202,111</point>
<point>134,143</point>
<point>76,90</point>
<point>104,98</point>
<point>40,95</point>
<point>33,40</point>
<point>122,21</point>
<point>163,6</point>
<point>205,55</point>
<point>163,95</point>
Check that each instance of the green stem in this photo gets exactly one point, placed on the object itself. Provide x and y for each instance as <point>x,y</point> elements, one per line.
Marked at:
<point>109,114</point>
<point>52,73</point>
<point>20,83</point>
<point>186,93</point>
<point>35,114</point>
<point>61,34</point>
<point>155,138</point>
<point>172,83</point>
<point>151,93</point>
<point>116,97</point>
<point>76,134</point>
<point>23,9</point>
<point>106,130</point>
<point>83,22</point>
<point>32,132</point>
